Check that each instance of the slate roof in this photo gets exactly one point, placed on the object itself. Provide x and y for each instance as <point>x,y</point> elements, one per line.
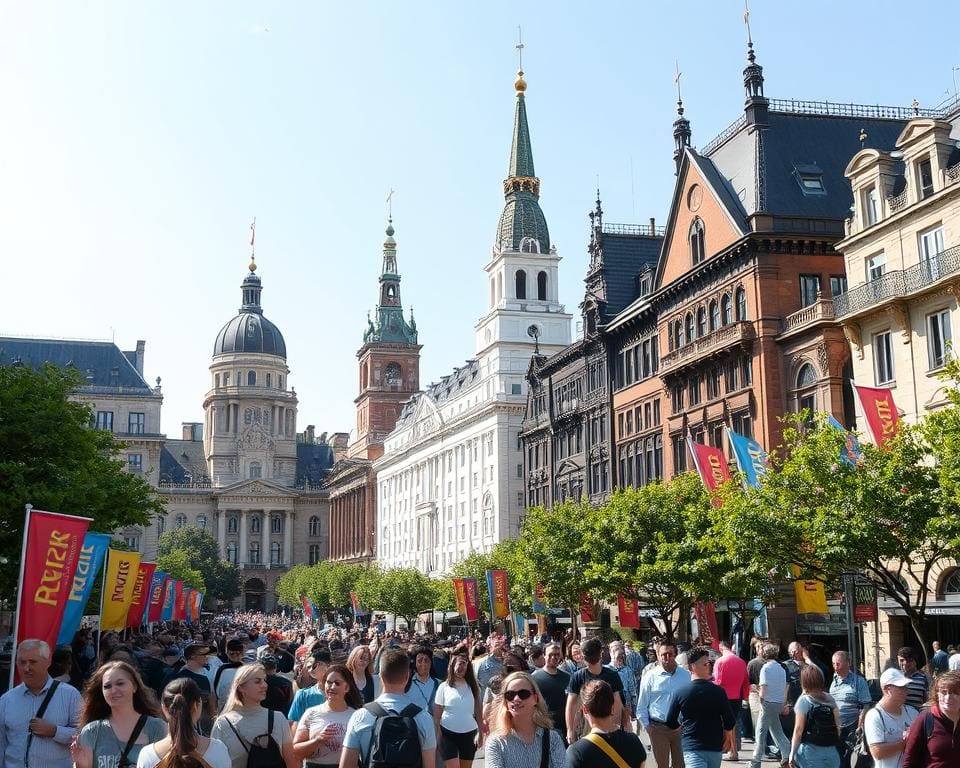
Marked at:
<point>314,461</point>
<point>182,461</point>
<point>250,332</point>
<point>449,386</point>
<point>102,363</point>
<point>624,257</point>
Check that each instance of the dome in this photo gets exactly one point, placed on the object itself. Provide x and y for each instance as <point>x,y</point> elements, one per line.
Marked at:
<point>522,217</point>
<point>250,332</point>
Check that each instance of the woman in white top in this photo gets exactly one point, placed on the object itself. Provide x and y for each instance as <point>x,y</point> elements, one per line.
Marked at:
<point>319,737</point>
<point>456,713</point>
<point>182,705</point>
<point>245,721</point>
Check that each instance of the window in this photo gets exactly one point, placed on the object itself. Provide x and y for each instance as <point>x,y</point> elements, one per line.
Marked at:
<point>161,525</point>
<point>136,423</point>
<point>746,370</point>
<point>104,420</point>
<point>743,424</point>
<point>811,183</point>
<point>883,357</point>
<point>871,207</point>
<point>716,435</point>
<point>694,390</point>
<point>676,395</point>
<point>838,284</point>
<point>806,377</point>
<point>275,553</point>
<point>251,378</point>
<point>809,289</point>
<point>542,286</point>
<point>876,266</point>
<point>732,376</point>
<point>232,552</point>
<point>226,379</point>
<point>269,380</point>
<point>314,526</point>
<point>132,541</point>
<point>276,524</point>
<point>521,284</point>
<point>676,335</point>
<point>216,381</point>
<point>202,522</point>
<point>255,524</point>
<point>516,389</point>
<point>232,524</point>
<point>726,309</point>
<point>181,520</point>
<point>679,454</point>
<point>925,173</point>
<point>255,552</point>
<point>741,304</point>
<point>939,337</point>
<point>135,462</point>
<point>931,246</point>
<point>255,470</point>
<point>701,322</point>
<point>688,327</point>
<point>697,236</point>
<point>714,316</point>
<point>713,383</point>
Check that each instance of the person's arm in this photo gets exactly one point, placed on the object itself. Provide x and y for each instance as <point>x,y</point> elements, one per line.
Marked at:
<point>64,733</point>
<point>673,714</point>
<point>429,757</point>
<point>492,754</point>
<point>437,714</point>
<point>290,758</point>
<point>873,728</point>
<point>570,713</point>
<point>214,704</point>
<point>800,722</point>
<point>761,691</point>
<point>643,703</point>
<point>349,758</point>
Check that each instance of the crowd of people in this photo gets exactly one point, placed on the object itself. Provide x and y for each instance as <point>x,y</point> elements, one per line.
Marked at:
<point>247,690</point>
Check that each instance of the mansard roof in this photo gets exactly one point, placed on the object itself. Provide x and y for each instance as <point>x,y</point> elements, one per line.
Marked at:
<point>627,251</point>
<point>451,385</point>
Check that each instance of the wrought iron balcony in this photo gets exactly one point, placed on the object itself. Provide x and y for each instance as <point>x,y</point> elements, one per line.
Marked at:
<point>727,336</point>
<point>819,311</point>
<point>898,283</point>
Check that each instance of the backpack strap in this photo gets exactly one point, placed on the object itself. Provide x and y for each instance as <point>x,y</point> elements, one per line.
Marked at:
<point>269,733</point>
<point>378,712</point>
<point>411,710</point>
<point>134,735</point>
<point>928,723</point>
<point>40,713</point>
<point>237,734</point>
<point>598,741</point>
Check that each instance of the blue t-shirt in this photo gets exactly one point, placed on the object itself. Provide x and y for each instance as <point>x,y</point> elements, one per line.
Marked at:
<point>360,728</point>
<point>303,700</point>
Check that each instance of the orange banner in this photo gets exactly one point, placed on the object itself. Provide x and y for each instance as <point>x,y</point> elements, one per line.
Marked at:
<point>461,596</point>
<point>499,594</point>
<point>141,589</point>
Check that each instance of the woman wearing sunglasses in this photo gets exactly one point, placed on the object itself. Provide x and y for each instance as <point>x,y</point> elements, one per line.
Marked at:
<point>521,734</point>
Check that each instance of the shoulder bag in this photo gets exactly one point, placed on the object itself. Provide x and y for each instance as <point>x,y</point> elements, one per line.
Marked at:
<point>598,741</point>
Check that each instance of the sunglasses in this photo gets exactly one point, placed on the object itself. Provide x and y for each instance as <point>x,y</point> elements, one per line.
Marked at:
<point>523,694</point>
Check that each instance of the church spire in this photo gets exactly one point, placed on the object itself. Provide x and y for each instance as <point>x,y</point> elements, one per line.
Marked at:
<point>390,324</point>
<point>756,104</point>
<point>681,127</point>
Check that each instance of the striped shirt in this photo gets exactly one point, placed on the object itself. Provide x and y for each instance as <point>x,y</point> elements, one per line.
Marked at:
<point>918,689</point>
<point>19,706</point>
<point>629,681</point>
<point>511,751</point>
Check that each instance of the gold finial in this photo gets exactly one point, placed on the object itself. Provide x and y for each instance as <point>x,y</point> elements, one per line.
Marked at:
<point>863,137</point>
<point>253,263</point>
<point>520,84</point>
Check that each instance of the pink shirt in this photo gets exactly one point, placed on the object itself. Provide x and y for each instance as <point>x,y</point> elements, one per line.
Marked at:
<point>730,673</point>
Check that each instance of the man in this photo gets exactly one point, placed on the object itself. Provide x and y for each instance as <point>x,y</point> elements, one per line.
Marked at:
<point>592,650</point>
<point>885,726</point>
<point>954,662</point>
<point>305,698</point>
<point>279,688</point>
<point>269,648</point>
<point>657,689</point>
<point>730,673</point>
<point>195,657</point>
<point>491,664</point>
<point>772,694</point>
<point>223,677</point>
<point>358,741</point>
<point>152,669</point>
<point>702,708</point>
<point>553,684</point>
<point>919,682</point>
<point>25,738</point>
<point>634,660</point>
<point>793,666</point>
<point>536,656</point>
<point>852,695</point>
<point>618,663</point>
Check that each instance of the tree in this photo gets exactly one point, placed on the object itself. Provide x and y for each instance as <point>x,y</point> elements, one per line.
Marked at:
<point>401,591</point>
<point>203,553</point>
<point>177,565</point>
<point>52,459</point>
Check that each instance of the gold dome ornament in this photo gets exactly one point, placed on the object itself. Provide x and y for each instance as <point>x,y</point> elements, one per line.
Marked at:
<point>520,85</point>
<point>253,264</point>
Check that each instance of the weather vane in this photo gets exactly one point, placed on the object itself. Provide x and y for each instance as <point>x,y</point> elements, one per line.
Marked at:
<point>253,235</point>
<point>390,204</point>
<point>676,79</point>
<point>746,20</point>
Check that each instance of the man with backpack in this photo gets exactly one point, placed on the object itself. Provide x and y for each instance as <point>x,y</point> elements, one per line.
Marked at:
<point>852,695</point>
<point>392,731</point>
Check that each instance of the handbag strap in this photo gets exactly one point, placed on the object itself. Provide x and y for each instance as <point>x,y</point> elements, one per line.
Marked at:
<point>598,741</point>
<point>134,735</point>
<point>545,748</point>
<point>40,713</point>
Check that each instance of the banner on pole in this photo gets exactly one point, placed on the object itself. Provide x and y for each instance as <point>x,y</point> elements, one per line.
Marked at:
<point>539,599</point>
<point>179,601</point>
<point>471,596</point>
<point>629,614</point>
<point>711,465</point>
<point>88,568</point>
<point>499,594</point>
<point>141,594</point>
<point>706,614</point>
<point>811,597</point>
<point>122,568</point>
<point>307,609</point>
<point>750,457</point>
<point>187,602</point>
<point>53,546</point>
<point>586,608</point>
<point>166,613</point>
<point>851,453</point>
<point>881,413</point>
<point>460,594</point>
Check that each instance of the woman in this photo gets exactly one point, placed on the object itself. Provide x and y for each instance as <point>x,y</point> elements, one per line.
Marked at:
<point>592,751</point>
<point>182,747</point>
<point>574,660</point>
<point>815,742</point>
<point>245,722</point>
<point>422,686</point>
<point>319,736</point>
<point>119,717</point>
<point>359,662</point>
<point>933,740</point>
<point>521,728</point>
<point>456,714</point>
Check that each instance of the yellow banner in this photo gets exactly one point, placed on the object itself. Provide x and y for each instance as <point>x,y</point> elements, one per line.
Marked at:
<point>810,595</point>
<point>122,569</point>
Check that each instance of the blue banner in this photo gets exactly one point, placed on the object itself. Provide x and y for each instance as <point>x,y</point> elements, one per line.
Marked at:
<point>750,457</point>
<point>168,600</point>
<point>851,453</point>
<point>187,594</point>
<point>88,566</point>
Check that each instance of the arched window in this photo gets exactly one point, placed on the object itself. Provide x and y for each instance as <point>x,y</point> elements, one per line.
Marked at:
<point>806,393</point>
<point>269,383</point>
<point>688,327</point>
<point>232,524</point>
<point>697,235</point>
<point>806,376</point>
<point>314,526</point>
<point>714,316</point>
<point>276,524</point>
<point>251,378</point>
<point>726,309</point>
<point>181,520</point>
<point>202,522</point>
<point>161,524</point>
<point>701,322</point>
<point>676,335</point>
<point>951,586</point>
<point>542,286</point>
<point>741,304</point>
<point>255,552</point>
<point>314,554</point>
<point>255,470</point>
<point>393,374</point>
<point>232,552</point>
<point>255,524</point>
<point>530,245</point>
<point>521,279</point>
<point>275,553</point>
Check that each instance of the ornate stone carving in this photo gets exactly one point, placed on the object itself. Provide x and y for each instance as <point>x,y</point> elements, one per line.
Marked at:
<point>823,359</point>
<point>852,332</point>
<point>899,312</point>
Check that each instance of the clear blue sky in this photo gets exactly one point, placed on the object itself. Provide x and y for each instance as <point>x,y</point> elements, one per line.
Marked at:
<point>139,139</point>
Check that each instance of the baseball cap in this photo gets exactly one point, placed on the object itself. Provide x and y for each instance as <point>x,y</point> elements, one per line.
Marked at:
<point>894,677</point>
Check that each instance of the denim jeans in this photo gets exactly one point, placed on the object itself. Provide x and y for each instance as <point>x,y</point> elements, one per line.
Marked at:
<point>769,720</point>
<point>702,758</point>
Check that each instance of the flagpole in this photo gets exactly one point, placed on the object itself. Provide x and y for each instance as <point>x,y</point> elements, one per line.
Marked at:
<point>103,587</point>
<point>27,509</point>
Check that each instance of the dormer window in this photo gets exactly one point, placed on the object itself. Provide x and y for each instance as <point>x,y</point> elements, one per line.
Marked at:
<point>871,207</point>
<point>529,245</point>
<point>925,173</point>
<point>810,178</point>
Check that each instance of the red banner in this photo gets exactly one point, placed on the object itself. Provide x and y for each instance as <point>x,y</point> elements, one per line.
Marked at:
<point>499,594</point>
<point>471,597</point>
<point>711,464</point>
<point>629,612</point>
<point>460,594</point>
<point>307,611</point>
<point>881,413</point>
<point>179,601</point>
<point>135,616</point>
<point>586,608</point>
<point>50,562</point>
<point>706,614</point>
<point>157,592</point>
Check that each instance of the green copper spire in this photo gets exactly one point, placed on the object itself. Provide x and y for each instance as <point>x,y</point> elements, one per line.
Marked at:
<point>522,222</point>
<point>390,324</point>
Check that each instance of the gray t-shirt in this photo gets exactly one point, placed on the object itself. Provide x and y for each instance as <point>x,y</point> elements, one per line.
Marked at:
<point>251,723</point>
<point>106,747</point>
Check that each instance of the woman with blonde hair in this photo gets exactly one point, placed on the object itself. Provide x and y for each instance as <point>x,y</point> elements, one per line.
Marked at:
<point>245,723</point>
<point>521,731</point>
<point>360,664</point>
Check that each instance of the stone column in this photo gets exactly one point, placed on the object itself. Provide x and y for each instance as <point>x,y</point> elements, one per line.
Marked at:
<point>288,517</point>
<point>265,532</point>
<point>243,554</point>
<point>222,532</point>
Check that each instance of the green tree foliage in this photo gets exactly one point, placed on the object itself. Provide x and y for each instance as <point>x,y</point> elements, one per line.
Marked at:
<point>51,458</point>
<point>444,596</point>
<point>222,579</point>
<point>177,564</point>
<point>402,591</point>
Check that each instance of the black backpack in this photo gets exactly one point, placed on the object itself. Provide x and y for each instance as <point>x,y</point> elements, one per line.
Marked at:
<point>260,754</point>
<point>820,728</point>
<point>396,740</point>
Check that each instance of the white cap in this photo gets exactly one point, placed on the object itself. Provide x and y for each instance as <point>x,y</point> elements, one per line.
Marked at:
<point>894,677</point>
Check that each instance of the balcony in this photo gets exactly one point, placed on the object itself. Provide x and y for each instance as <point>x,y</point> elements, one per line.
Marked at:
<point>727,336</point>
<point>898,283</point>
<point>820,311</point>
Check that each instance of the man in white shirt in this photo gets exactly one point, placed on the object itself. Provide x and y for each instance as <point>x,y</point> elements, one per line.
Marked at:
<point>885,726</point>
<point>772,692</point>
<point>653,706</point>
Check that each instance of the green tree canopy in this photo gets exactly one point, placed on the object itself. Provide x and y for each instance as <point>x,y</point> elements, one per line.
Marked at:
<point>402,591</point>
<point>177,565</point>
<point>222,579</point>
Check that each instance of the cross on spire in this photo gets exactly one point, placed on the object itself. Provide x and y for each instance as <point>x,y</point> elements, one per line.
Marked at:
<point>520,46</point>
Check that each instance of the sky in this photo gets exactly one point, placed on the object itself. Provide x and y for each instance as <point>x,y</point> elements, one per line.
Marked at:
<point>138,140</point>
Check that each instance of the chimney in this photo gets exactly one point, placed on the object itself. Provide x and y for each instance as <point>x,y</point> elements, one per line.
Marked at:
<point>192,431</point>
<point>653,227</point>
<point>141,346</point>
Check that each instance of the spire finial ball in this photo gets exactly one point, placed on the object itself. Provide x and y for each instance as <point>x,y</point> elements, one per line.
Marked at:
<point>520,84</point>
<point>253,264</point>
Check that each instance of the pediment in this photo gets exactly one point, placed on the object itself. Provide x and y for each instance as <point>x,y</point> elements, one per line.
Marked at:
<point>917,128</point>
<point>861,161</point>
<point>260,488</point>
<point>427,417</point>
<point>567,466</point>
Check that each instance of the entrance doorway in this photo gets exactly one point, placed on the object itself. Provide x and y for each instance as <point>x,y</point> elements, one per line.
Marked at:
<point>254,594</point>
